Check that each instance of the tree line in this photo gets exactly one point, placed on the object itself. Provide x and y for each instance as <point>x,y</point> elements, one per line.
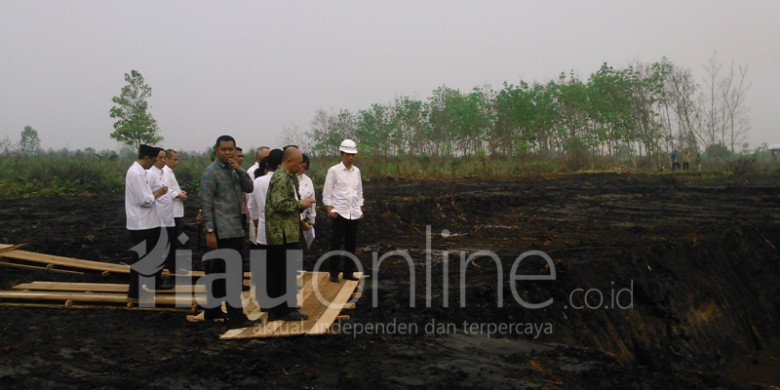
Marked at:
<point>641,111</point>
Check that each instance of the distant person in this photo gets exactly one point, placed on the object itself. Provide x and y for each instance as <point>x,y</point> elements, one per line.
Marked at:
<point>222,186</point>
<point>342,196</point>
<point>253,206</point>
<point>179,197</point>
<point>244,211</point>
<point>258,196</point>
<point>686,160</point>
<point>306,191</point>
<point>675,160</point>
<point>163,206</point>
<point>260,153</point>
<point>143,224</point>
<point>283,206</point>
<point>698,162</point>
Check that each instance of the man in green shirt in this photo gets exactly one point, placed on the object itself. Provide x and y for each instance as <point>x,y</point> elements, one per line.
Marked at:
<point>282,225</point>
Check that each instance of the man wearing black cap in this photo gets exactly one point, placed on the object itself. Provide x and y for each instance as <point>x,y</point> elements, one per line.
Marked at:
<point>142,220</point>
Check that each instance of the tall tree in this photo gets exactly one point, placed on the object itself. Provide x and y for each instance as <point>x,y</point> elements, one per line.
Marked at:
<point>134,125</point>
<point>413,126</point>
<point>734,87</point>
<point>5,146</point>
<point>293,136</point>
<point>726,120</point>
<point>30,144</point>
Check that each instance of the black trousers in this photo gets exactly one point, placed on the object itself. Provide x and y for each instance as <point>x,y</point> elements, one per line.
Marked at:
<point>344,230</point>
<point>173,244</point>
<point>149,237</point>
<point>276,278</point>
<point>219,288</point>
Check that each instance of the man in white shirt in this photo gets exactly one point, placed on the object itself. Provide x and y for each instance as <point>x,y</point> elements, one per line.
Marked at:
<point>257,198</point>
<point>260,153</point>
<point>179,197</point>
<point>164,208</point>
<point>143,224</point>
<point>342,196</point>
<point>306,191</point>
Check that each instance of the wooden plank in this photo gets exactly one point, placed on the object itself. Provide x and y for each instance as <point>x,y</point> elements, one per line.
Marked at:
<point>100,307</point>
<point>8,248</point>
<point>336,293</point>
<point>35,267</point>
<point>100,287</point>
<point>251,308</point>
<point>311,306</point>
<point>64,296</point>
<point>332,311</point>
<point>11,252</point>
<point>57,296</point>
<point>266,330</point>
<point>64,261</point>
<point>263,330</point>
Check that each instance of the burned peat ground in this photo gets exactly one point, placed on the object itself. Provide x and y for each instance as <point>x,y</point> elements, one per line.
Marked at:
<point>661,281</point>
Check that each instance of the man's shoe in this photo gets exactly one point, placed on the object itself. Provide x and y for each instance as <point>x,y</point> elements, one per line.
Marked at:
<point>275,316</point>
<point>214,316</point>
<point>294,315</point>
<point>350,276</point>
<point>334,278</point>
<point>242,324</point>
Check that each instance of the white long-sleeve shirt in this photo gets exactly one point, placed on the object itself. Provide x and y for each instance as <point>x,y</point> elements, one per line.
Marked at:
<point>251,170</point>
<point>139,200</point>
<point>306,190</point>
<point>164,204</point>
<point>173,184</point>
<point>343,191</point>
<point>257,208</point>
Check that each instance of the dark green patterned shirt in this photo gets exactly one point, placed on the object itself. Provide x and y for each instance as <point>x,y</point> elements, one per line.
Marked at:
<point>282,209</point>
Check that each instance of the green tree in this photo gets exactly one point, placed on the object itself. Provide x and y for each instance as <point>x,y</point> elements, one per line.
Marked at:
<point>512,132</point>
<point>30,144</point>
<point>413,127</point>
<point>134,125</point>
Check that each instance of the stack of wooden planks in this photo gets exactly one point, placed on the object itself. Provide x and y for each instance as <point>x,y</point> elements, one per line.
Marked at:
<point>321,299</point>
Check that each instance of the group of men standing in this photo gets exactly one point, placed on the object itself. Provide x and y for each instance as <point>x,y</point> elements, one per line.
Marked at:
<point>154,209</point>
<point>280,202</point>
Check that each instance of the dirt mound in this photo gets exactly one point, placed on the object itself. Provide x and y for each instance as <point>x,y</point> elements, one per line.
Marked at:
<point>581,281</point>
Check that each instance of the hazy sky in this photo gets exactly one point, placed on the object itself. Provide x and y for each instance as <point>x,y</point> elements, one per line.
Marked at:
<point>255,68</point>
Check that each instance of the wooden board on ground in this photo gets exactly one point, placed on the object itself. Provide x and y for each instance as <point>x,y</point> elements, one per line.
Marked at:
<point>8,248</point>
<point>100,287</point>
<point>179,300</point>
<point>98,307</point>
<point>322,302</point>
<point>12,252</point>
<point>18,254</point>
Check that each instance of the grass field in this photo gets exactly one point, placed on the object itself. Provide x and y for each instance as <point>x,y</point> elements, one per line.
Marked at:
<point>57,175</point>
